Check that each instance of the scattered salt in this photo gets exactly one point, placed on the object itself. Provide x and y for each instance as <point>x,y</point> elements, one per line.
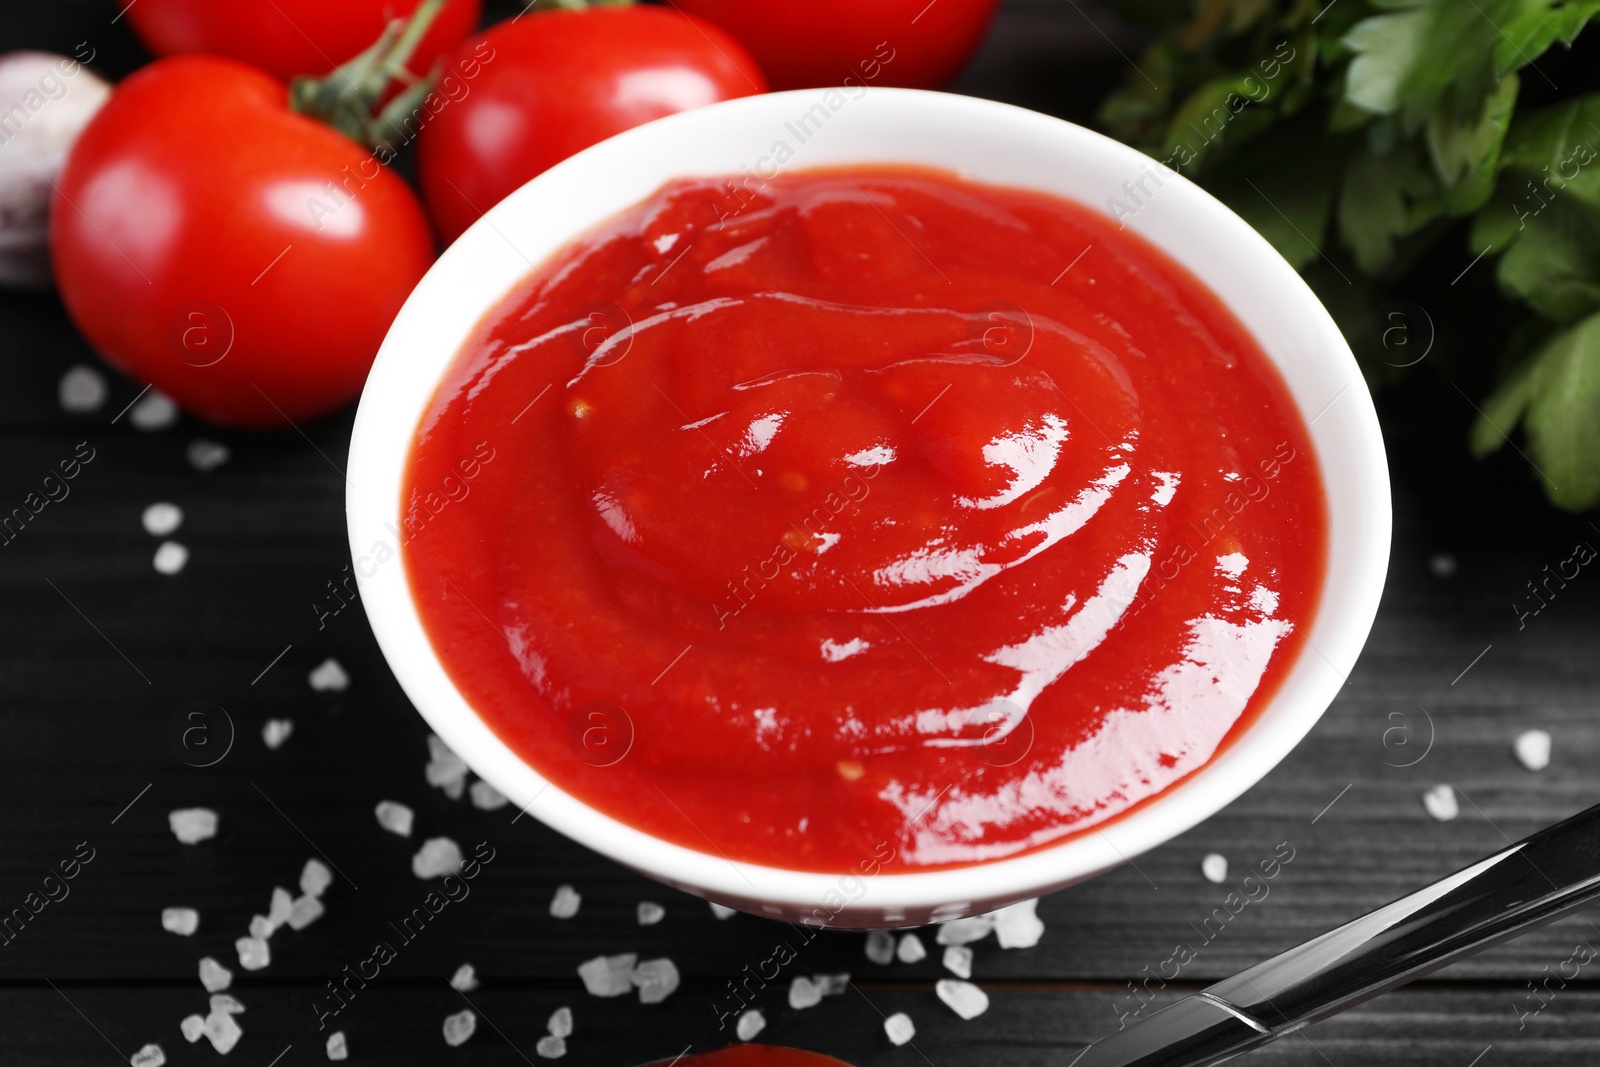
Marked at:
<point>314,878</point>
<point>192,1026</point>
<point>153,411</point>
<point>161,519</point>
<point>438,856</point>
<point>965,931</point>
<point>1016,926</point>
<point>180,921</point>
<point>192,825</point>
<point>222,1031</point>
<point>329,677</point>
<point>455,787</point>
<point>650,913</point>
<point>900,1028</point>
<point>911,949</point>
<point>337,1049</point>
<point>394,817</point>
<point>262,927</point>
<point>204,454</point>
<point>253,953</point>
<point>964,998</point>
<point>149,1056</point>
<point>226,1002</point>
<point>458,1028</point>
<point>1215,868</point>
<point>750,1024</point>
<point>282,904</point>
<point>720,911</point>
<point>832,984</point>
<point>608,976</point>
<point>565,904</point>
<point>803,993</point>
<point>551,1047</point>
<point>445,770</point>
<point>560,1024</point>
<point>486,797</point>
<point>1533,749</point>
<point>1441,802</point>
<point>170,558</point>
<point>274,732</point>
<point>214,976</point>
<point>465,980</point>
<point>1443,565</point>
<point>958,960</point>
<point>656,979</point>
<point>82,390</point>
<point>880,946</point>
<point>307,909</point>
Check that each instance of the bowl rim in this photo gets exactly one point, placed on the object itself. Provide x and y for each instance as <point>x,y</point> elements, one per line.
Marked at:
<point>410,355</point>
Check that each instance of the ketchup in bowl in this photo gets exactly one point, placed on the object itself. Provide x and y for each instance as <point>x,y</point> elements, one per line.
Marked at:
<point>866,519</point>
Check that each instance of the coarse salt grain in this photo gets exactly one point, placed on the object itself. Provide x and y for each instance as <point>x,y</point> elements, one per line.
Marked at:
<point>253,953</point>
<point>307,909</point>
<point>180,921</point>
<point>832,984</point>
<point>262,927</point>
<point>649,913</point>
<point>315,877</point>
<point>720,911</point>
<point>329,677</point>
<point>750,1024</point>
<point>656,980</point>
<point>149,1056</point>
<point>803,993</point>
<point>965,931</point>
<point>204,454</point>
<point>963,998</point>
<point>465,980</point>
<point>550,1047</point>
<point>1215,868</point>
<point>153,411</point>
<point>911,949</point>
<point>560,1024</point>
<point>1016,925</point>
<point>282,904</point>
<point>170,558</point>
<point>214,976</point>
<point>337,1048</point>
<point>486,797</point>
<point>226,1002</point>
<point>82,390</point>
<point>900,1028</point>
<point>192,825</point>
<point>192,1027</point>
<point>1533,749</point>
<point>161,518</point>
<point>274,732</point>
<point>1443,565</point>
<point>1441,802</point>
<point>565,904</point>
<point>459,1028</point>
<point>222,1031</point>
<point>880,947</point>
<point>437,857</point>
<point>394,817</point>
<point>608,976</point>
<point>958,960</point>
<point>455,787</point>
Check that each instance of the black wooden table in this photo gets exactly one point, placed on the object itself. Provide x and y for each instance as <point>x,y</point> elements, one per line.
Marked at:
<point>97,650</point>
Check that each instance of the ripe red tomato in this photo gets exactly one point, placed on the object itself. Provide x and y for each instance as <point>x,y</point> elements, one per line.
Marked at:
<point>242,258</point>
<point>806,43</point>
<point>556,82</point>
<point>290,37</point>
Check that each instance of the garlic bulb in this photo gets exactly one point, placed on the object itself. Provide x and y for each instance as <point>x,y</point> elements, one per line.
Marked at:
<point>45,101</point>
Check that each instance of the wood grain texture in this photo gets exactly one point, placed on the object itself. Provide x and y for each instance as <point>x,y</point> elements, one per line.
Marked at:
<point>97,650</point>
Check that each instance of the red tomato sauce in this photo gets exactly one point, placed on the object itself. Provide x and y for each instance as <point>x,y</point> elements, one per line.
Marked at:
<point>863,520</point>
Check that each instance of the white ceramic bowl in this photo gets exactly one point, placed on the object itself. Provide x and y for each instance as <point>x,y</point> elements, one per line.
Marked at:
<point>983,140</point>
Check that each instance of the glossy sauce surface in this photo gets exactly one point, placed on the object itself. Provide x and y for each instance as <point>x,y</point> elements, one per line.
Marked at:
<point>863,520</point>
